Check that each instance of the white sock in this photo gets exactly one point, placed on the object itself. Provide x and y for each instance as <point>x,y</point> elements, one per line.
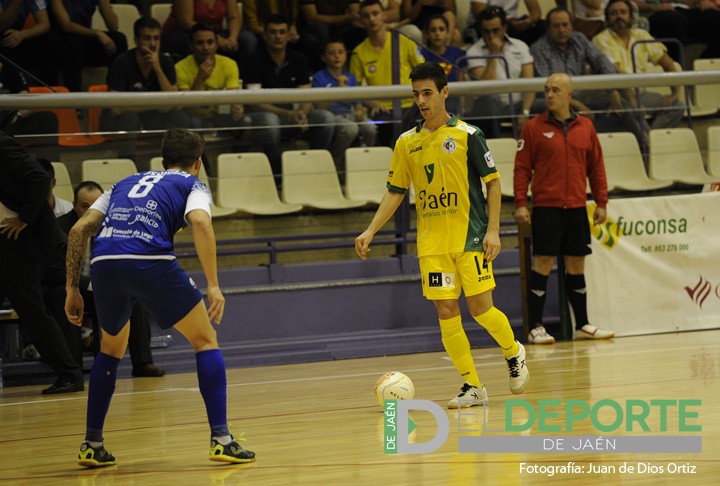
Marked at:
<point>223,439</point>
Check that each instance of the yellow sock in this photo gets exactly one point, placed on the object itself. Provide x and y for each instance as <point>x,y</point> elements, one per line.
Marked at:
<point>458,347</point>
<point>498,326</point>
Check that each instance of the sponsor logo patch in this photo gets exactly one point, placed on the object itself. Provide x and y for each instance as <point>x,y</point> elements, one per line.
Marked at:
<point>489,159</point>
<point>441,279</point>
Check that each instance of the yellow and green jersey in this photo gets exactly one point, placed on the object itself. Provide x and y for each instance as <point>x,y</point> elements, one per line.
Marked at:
<point>445,167</point>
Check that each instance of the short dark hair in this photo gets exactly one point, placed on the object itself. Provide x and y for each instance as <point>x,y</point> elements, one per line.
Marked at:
<point>334,40</point>
<point>626,2</point>
<point>555,10</point>
<point>47,166</point>
<point>492,12</point>
<point>200,27</point>
<point>368,3</point>
<point>145,23</point>
<point>430,70</point>
<point>89,185</point>
<point>436,17</point>
<point>276,19</point>
<point>181,148</point>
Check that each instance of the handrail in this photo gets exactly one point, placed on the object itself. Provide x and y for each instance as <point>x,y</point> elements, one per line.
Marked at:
<point>196,98</point>
<point>271,247</point>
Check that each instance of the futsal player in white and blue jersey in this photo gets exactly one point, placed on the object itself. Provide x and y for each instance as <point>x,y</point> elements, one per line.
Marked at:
<point>132,259</point>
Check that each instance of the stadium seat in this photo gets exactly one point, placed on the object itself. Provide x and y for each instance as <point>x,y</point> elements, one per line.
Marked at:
<point>309,178</point>
<point>107,172</point>
<point>127,15</point>
<point>503,151</point>
<point>216,211</point>
<point>624,164</point>
<point>366,171</point>
<point>696,109</point>
<point>675,156</point>
<point>93,114</point>
<point>707,94</point>
<point>246,182</point>
<point>160,11</point>
<point>70,133</point>
<point>63,185</point>
<point>713,139</point>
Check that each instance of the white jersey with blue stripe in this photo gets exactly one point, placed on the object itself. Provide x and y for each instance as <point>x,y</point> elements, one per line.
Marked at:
<point>144,211</point>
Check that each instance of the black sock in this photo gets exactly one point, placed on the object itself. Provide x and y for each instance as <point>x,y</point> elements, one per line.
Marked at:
<point>578,300</point>
<point>536,297</point>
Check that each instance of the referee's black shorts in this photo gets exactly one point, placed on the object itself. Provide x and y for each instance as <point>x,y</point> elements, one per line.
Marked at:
<point>560,231</point>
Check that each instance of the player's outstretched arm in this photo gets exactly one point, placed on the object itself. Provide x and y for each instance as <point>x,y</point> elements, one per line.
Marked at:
<point>389,204</point>
<point>79,235</point>
<point>204,238</point>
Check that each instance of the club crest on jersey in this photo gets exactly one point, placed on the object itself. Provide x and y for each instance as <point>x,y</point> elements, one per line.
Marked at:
<point>449,145</point>
<point>549,134</point>
<point>430,172</point>
<point>489,160</point>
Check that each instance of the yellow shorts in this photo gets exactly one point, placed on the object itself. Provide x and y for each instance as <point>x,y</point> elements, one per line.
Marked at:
<point>443,276</point>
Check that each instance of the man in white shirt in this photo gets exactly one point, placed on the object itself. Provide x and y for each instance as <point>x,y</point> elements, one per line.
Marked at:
<point>518,64</point>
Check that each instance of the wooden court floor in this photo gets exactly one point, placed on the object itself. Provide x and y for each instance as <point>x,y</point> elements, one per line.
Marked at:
<point>318,423</point>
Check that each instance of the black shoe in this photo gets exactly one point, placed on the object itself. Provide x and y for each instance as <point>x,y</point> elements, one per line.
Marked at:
<point>91,457</point>
<point>232,452</point>
<point>148,370</point>
<point>62,386</point>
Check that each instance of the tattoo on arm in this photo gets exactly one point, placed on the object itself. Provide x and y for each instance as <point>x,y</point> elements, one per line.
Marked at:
<point>76,247</point>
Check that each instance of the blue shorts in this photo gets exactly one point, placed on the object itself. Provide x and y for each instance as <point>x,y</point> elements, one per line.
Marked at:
<point>165,290</point>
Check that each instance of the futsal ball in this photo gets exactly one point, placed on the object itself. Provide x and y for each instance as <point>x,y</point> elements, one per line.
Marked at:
<point>394,385</point>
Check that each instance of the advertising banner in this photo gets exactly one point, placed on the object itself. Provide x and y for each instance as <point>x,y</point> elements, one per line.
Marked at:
<point>655,265</point>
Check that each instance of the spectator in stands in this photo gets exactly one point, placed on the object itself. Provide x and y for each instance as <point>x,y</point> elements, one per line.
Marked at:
<point>351,121</point>
<point>85,194</point>
<point>223,16</point>
<point>59,205</point>
<point>27,121</point>
<point>589,18</point>
<point>30,43</point>
<point>558,154</point>
<point>518,64</point>
<point>437,50</point>
<point>562,50</point>
<point>392,13</point>
<point>276,66</point>
<point>82,45</point>
<point>321,20</point>
<point>372,64</point>
<point>29,230</point>
<point>418,12</point>
<point>256,13</point>
<point>142,69</point>
<point>205,70</point>
<point>528,28</point>
<point>615,42</point>
<point>686,21</point>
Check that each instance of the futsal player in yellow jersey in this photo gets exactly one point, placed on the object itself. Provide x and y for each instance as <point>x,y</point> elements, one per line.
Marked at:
<point>447,160</point>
